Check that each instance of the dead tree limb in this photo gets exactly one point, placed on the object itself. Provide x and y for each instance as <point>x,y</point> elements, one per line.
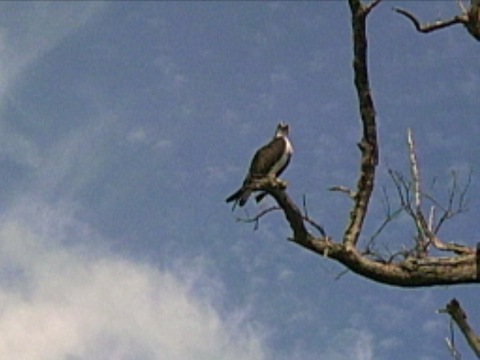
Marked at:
<point>456,313</point>
<point>368,144</point>
<point>470,18</point>
<point>411,271</point>
<point>405,268</point>
<point>429,27</point>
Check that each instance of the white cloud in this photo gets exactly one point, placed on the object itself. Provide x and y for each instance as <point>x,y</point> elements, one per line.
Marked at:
<point>75,301</point>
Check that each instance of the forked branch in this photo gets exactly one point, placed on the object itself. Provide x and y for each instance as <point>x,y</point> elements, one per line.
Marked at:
<point>411,195</point>
<point>368,144</point>
<point>407,268</point>
<point>412,270</point>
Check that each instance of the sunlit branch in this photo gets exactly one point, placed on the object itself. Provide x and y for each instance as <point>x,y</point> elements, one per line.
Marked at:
<point>414,170</point>
<point>343,189</point>
<point>417,213</point>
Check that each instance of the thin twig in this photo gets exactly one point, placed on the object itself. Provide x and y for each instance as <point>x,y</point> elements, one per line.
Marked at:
<point>435,241</point>
<point>389,216</point>
<point>383,225</point>
<point>256,218</point>
<point>350,193</point>
<point>456,202</point>
<point>371,5</point>
<point>462,201</point>
<point>339,275</point>
<point>319,228</point>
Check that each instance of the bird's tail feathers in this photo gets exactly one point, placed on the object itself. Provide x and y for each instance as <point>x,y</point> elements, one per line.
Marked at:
<point>244,197</point>
<point>234,196</point>
<point>239,197</point>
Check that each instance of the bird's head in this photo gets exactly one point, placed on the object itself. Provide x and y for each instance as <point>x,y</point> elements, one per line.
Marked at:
<point>282,130</point>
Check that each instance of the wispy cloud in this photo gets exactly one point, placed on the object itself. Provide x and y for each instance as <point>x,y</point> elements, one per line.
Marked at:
<point>30,30</point>
<point>62,301</point>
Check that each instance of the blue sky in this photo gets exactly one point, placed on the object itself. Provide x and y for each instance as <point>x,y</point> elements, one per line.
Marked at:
<point>123,127</point>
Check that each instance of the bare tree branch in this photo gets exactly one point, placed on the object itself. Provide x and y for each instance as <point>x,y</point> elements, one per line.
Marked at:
<point>434,240</point>
<point>414,170</point>
<point>450,211</point>
<point>457,314</point>
<point>371,5</point>
<point>470,18</point>
<point>426,230</point>
<point>351,194</point>
<point>411,271</point>
<point>426,28</point>
<point>309,220</point>
<point>368,145</point>
<point>388,219</point>
<point>256,219</point>
<point>417,215</point>
<point>404,268</point>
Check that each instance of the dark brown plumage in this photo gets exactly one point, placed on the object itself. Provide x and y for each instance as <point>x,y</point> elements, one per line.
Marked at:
<point>270,160</point>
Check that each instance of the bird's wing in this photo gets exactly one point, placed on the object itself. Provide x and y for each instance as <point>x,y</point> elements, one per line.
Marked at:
<point>266,157</point>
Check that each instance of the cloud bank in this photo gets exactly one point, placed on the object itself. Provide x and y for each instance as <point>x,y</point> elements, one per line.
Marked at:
<point>61,301</point>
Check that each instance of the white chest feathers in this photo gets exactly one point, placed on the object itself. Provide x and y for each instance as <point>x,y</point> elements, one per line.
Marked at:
<point>284,159</point>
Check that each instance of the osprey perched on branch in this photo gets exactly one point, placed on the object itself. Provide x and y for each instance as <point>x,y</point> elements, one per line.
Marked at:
<point>269,161</point>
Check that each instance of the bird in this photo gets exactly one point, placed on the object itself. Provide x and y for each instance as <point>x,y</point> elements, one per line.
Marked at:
<point>269,161</point>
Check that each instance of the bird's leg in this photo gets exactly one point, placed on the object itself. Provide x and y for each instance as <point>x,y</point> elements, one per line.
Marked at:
<point>275,181</point>
<point>282,184</point>
<point>268,180</point>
